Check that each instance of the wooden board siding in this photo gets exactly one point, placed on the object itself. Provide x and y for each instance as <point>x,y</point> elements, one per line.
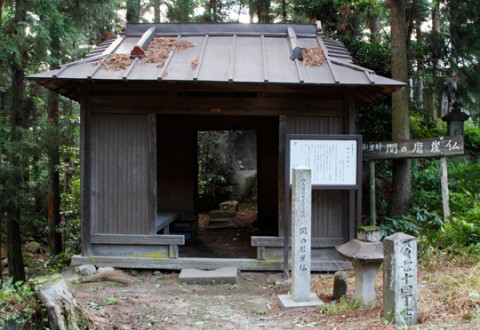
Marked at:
<point>329,208</point>
<point>121,153</point>
<point>176,154</point>
<point>177,162</point>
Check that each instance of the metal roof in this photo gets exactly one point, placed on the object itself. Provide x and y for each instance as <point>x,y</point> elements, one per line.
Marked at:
<point>234,53</point>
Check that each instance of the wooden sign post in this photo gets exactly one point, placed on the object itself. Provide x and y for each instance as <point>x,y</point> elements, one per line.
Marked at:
<point>335,163</point>
<point>440,147</point>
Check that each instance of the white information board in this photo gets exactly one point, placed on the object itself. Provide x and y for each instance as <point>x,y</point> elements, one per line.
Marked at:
<point>333,162</point>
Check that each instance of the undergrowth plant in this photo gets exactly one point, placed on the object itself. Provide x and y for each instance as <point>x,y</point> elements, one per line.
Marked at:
<point>19,308</point>
<point>460,235</point>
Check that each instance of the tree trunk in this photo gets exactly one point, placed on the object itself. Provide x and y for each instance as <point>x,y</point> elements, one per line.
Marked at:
<point>434,110</point>
<point>156,10</point>
<point>374,26</point>
<point>419,86</point>
<point>251,9</point>
<point>2,212</point>
<point>1,12</point>
<point>213,8</point>
<point>284,11</point>
<point>133,11</point>
<point>54,234</point>
<point>402,189</point>
<point>17,121</point>
<point>263,11</point>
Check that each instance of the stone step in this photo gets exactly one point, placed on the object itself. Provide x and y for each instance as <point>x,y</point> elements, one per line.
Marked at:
<point>226,275</point>
<point>228,206</point>
<point>216,214</point>
<point>219,220</point>
<point>220,226</point>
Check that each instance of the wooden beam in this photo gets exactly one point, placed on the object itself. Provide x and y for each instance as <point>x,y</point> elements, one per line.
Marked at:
<point>271,241</point>
<point>220,105</point>
<point>202,263</point>
<point>123,239</point>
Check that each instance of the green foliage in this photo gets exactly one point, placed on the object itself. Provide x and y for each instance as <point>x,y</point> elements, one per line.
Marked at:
<point>462,233</point>
<point>375,122</point>
<point>18,305</point>
<point>180,10</point>
<point>340,307</point>
<point>416,222</point>
<point>251,190</point>
<point>373,55</point>
<point>422,128</point>
<point>215,174</point>
<point>472,140</point>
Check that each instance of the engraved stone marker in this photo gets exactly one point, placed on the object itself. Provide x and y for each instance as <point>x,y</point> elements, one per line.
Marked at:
<point>301,233</point>
<point>301,242</point>
<point>400,286</point>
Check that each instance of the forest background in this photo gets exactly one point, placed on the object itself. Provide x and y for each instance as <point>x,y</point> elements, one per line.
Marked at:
<point>433,45</point>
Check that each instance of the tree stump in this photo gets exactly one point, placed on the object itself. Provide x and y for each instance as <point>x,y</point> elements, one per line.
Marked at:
<point>64,313</point>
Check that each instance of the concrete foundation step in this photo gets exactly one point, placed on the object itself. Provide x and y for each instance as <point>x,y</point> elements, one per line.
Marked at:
<point>219,223</point>
<point>217,214</point>
<point>226,275</point>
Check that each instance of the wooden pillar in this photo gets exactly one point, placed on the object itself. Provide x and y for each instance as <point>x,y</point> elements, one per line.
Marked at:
<point>85,174</point>
<point>354,198</point>
<point>282,132</point>
<point>373,205</point>
<point>445,193</point>
<point>152,172</point>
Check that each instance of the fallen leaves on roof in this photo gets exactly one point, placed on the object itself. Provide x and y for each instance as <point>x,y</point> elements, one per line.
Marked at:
<point>313,56</point>
<point>115,62</point>
<point>195,63</point>
<point>160,48</point>
<point>157,52</point>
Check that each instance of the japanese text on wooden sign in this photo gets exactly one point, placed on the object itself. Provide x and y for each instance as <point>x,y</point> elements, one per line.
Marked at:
<point>421,148</point>
<point>333,162</point>
<point>408,279</point>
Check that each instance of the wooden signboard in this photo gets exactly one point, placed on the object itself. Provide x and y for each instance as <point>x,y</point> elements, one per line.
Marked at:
<point>335,160</point>
<point>440,147</point>
<point>421,148</point>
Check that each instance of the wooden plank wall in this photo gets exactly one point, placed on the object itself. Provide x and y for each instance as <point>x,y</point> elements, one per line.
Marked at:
<point>120,175</point>
<point>329,207</point>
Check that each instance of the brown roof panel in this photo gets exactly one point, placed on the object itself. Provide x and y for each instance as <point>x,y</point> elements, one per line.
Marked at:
<point>280,68</point>
<point>248,60</point>
<point>234,53</point>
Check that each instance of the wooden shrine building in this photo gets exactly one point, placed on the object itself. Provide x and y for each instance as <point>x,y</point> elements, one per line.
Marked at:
<point>144,97</point>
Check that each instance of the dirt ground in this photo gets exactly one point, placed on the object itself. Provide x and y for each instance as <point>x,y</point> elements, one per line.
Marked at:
<point>449,295</point>
<point>160,302</point>
<point>230,240</point>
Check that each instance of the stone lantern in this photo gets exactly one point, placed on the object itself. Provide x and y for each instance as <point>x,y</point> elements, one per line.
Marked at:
<point>455,120</point>
<point>366,255</point>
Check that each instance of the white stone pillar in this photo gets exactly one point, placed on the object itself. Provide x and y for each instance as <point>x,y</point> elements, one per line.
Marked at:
<point>301,239</point>
<point>400,285</point>
<point>301,233</point>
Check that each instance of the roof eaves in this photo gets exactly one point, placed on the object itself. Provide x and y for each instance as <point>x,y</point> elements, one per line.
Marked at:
<point>201,57</point>
<point>231,71</point>
<point>221,29</point>
<point>327,57</point>
<point>292,37</point>
<point>110,49</point>
<point>264,60</point>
